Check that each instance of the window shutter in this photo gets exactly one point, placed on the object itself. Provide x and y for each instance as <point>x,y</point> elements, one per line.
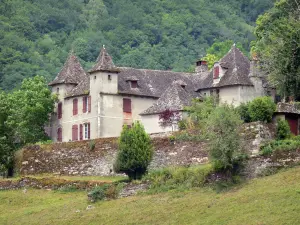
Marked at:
<point>59,135</point>
<point>127,105</point>
<point>81,132</point>
<point>89,131</point>
<point>134,84</point>
<point>84,105</point>
<point>75,133</point>
<point>59,110</point>
<point>75,107</point>
<point>216,72</point>
<point>90,103</point>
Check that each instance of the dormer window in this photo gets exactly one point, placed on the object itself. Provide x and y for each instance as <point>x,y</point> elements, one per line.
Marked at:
<point>216,72</point>
<point>133,84</point>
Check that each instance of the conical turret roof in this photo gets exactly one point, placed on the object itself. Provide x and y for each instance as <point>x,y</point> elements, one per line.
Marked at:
<point>71,73</point>
<point>104,63</point>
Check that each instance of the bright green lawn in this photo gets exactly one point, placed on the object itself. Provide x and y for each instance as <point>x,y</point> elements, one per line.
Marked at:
<point>270,200</point>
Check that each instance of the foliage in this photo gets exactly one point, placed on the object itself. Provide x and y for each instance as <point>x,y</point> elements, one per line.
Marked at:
<point>200,110</point>
<point>224,137</point>
<point>177,178</point>
<point>243,110</point>
<point>106,191</point>
<point>277,146</point>
<point>169,118</point>
<point>135,151</point>
<point>92,145</point>
<point>282,130</point>
<point>277,46</point>
<point>262,109</point>
<point>36,36</point>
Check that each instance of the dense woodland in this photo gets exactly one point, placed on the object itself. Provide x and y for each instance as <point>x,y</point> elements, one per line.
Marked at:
<point>36,35</point>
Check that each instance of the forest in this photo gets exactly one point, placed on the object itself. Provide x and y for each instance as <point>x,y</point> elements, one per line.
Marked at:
<point>36,35</point>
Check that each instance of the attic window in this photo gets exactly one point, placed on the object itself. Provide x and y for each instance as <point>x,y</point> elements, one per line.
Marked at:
<point>109,77</point>
<point>183,86</point>
<point>133,84</point>
<point>216,72</point>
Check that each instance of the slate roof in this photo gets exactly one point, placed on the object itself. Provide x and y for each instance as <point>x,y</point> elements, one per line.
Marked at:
<point>71,73</point>
<point>153,83</point>
<point>104,63</point>
<point>83,88</point>
<point>286,108</point>
<point>175,98</point>
<point>237,67</point>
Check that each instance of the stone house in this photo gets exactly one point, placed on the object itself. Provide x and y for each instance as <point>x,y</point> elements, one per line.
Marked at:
<point>99,102</point>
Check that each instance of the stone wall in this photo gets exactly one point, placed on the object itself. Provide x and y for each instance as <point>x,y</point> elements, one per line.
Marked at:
<point>76,158</point>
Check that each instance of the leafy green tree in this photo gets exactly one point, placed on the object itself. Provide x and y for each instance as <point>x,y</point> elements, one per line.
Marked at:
<point>277,46</point>
<point>243,110</point>
<point>135,151</point>
<point>262,109</point>
<point>222,127</point>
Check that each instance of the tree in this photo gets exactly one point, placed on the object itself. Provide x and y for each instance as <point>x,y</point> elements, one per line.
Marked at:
<point>222,127</point>
<point>262,109</point>
<point>277,46</point>
<point>135,151</point>
<point>283,130</point>
<point>169,118</point>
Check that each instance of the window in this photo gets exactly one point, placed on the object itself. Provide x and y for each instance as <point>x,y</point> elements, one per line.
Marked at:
<point>59,134</point>
<point>216,72</point>
<point>59,110</point>
<point>127,105</point>
<point>75,133</point>
<point>109,77</point>
<point>87,100</point>
<point>133,84</point>
<point>204,93</point>
<point>75,106</point>
<point>95,77</point>
<point>87,131</point>
<point>57,90</point>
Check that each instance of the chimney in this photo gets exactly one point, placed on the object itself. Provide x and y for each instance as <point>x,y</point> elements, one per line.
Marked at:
<point>201,66</point>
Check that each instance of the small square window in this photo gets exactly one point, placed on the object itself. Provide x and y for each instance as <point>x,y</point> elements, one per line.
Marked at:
<point>134,84</point>
<point>109,77</point>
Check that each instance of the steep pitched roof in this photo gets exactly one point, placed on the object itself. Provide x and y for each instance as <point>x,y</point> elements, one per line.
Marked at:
<point>71,73</point>
<point>104,63</point>
<point>237,67</point>
<point>175,98</point>
<point>153,83</point>
<point>83,88</point>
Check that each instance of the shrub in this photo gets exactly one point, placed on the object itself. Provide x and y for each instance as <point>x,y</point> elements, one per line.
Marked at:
<point>169,118</point>
<point>243,110</point>
<point>279,146</point>
<point>178,178</point>
<point>92,145</point>
<point>135,152</point>
<point>283,130</point>
<point>106,191</point>
<point>224,138</point>
<point>262,109</point>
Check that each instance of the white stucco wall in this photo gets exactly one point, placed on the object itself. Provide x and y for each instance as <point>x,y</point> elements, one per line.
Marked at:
<point>152,125</point>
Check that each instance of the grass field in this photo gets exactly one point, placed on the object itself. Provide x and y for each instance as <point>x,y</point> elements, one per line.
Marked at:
<point>269,200</point>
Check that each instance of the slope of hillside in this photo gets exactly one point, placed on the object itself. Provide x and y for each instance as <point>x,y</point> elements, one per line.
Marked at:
<point>269,200</point>
<point>36,35</point>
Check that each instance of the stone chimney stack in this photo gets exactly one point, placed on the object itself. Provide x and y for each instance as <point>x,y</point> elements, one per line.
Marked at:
<point>201,66</point>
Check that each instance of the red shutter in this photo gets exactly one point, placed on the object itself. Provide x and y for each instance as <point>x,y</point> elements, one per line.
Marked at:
<point>59,135</point>
<point>134,84</point>
<point>81,132</point>
<point>84,105</point>
<point>127,105</point>
<point>216,72</point>
<point>75,133</point>
<point>75,107</point>
<point>90,103</point>
<point>89,131</point>
<point>59,110</point>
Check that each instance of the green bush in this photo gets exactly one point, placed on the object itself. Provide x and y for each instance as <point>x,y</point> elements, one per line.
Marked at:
<point>178,178</point>
<point>92,145</point>
<point>243,110</point>
<point>282,130</point>
<point>106,191</point>
<point>222,127</point>
<point>135,152</point>
<point>262,109</point>
<point>289,145</point>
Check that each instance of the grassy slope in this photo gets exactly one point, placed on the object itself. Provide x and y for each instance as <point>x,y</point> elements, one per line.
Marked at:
<point>270,200</point>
